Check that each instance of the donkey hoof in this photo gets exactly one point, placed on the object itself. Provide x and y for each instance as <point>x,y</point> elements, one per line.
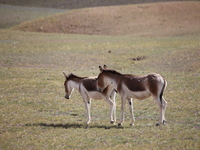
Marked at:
<point>164,122</point>
<point>157,124</point>
<point>119,124</point>
<point>112,122</point>
<point>131,124</point>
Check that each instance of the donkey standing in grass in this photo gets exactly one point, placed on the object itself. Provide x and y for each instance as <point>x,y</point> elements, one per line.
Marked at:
<point>132,86</point>
<point>87,86</point>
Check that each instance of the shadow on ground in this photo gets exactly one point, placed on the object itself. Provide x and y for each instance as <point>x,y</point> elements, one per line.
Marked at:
<point>75,125</point>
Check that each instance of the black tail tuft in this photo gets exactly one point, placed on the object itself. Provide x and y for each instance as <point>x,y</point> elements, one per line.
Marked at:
<point>162,91</point>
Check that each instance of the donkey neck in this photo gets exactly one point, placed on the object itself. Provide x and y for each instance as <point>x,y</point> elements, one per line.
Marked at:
<point>75,81</point>
<point>114,78</point>
<point>74,84</point>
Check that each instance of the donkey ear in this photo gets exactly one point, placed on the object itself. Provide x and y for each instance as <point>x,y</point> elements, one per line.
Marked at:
<point>105,67</point>
<point>100,68</point>
<point>65,75</point>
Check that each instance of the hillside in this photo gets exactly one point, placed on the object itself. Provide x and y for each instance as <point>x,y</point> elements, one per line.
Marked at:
<point>74,4</point>
<point>155,19</point>
<point>11,15</point>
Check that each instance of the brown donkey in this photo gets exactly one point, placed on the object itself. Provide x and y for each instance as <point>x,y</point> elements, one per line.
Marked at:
<point>87,87</point>
<point>132,86</point>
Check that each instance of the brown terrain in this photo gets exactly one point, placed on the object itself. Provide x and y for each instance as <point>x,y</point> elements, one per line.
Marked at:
<point>153,19</point>
<point>74,4</point>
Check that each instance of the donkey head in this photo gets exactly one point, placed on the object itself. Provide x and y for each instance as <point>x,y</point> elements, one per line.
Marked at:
<point>101,82</point>
<point>68,88</point>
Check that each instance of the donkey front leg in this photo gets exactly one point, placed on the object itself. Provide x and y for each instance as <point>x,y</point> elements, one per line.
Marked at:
<point>112,111</point>
<point>131,110</point>
<point>123,103</point>
<point>88,106</point>
<point>112,107</point>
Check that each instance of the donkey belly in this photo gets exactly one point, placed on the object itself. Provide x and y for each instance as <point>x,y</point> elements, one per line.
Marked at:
<point>139,95</point>
<point>95,95</point>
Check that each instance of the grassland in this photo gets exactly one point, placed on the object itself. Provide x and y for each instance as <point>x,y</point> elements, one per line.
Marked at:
<point>74,4</point>
<point>14,15</point>
<point>35,115</point>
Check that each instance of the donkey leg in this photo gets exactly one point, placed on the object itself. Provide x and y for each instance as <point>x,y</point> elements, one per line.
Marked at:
<point>112,109</point>
<point>131,110</point>
<point>123,103</point>
<point>164,106</point>
<point>112,97</point>
<point>160,120</point>
<point>112,112</point>
<point>88,106</point>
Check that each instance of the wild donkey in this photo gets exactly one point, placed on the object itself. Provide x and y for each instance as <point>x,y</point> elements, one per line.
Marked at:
<point>87,87</point>
<point>132,86</point>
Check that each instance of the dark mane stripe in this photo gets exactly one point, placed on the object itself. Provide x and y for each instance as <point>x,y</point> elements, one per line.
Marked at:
<point>71,75</point>
<point>112,71</point>
<point>117,73</point>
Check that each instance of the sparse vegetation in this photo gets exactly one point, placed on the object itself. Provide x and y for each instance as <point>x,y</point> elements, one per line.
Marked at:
<point>74,4</point>
<point>157,19</point>
<point>35,115</point>
<point>14,15</point>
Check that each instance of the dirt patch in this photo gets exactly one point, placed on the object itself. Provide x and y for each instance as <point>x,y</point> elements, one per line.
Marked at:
<point>157,19</point>
<point>139,58</point>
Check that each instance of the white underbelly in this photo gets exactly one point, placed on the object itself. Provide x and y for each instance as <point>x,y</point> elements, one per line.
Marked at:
<point>139,95</point>
<point>95,95</point>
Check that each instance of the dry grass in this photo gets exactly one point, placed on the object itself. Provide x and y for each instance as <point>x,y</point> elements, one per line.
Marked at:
<point>157,19</point>
<point>74,4</point>
<point>14,15</point>
<point>35,115</point>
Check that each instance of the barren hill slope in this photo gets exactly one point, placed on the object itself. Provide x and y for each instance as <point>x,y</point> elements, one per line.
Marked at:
<point>156,19</point>
<point>74,4</point>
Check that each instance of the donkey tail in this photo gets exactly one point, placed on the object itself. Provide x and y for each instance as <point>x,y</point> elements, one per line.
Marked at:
<point>162,91</point>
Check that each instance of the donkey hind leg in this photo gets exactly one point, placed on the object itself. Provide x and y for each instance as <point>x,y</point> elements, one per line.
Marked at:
<point>113,108</point>
<point>123,103</point>
<point>131,110</point>
<point>162,107</point>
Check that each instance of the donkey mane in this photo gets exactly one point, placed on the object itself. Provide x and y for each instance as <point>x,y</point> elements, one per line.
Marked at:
<point>117,73</point>
<point>71,75</point>
<point>112,71</point>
